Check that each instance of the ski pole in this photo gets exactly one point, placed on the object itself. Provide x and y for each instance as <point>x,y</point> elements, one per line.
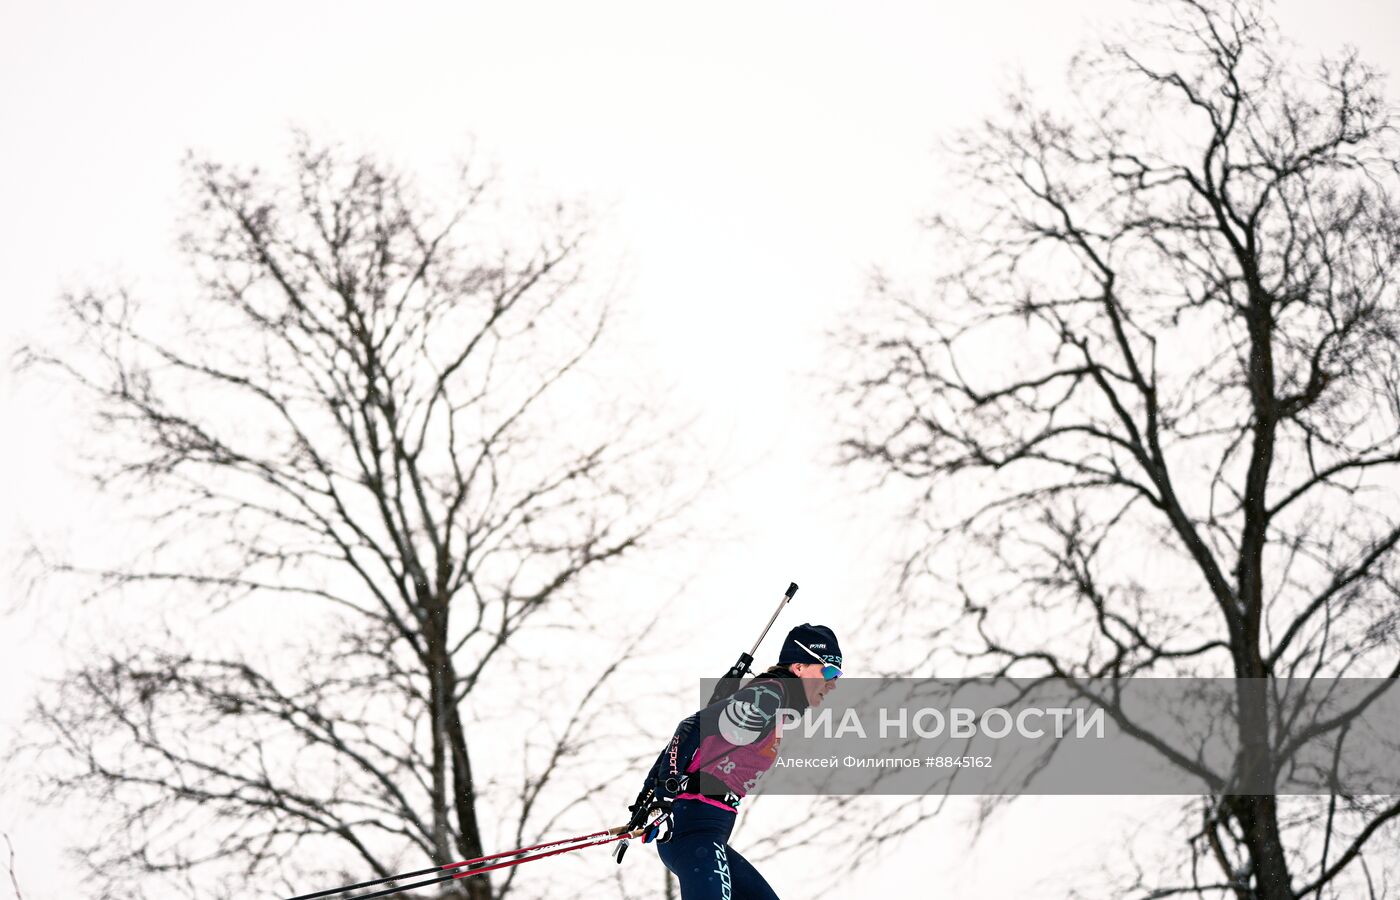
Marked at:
<point>470,872</point>
<point>730,682</point>
<point>455,865</point>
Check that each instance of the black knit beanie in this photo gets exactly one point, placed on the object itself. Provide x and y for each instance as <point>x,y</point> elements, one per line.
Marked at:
<point>817,638</point>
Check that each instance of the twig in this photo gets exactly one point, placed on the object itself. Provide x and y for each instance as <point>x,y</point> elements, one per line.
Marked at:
<point>19,895</point>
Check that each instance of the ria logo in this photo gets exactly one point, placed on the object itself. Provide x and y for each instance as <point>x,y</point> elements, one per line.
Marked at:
<point>743,721</point>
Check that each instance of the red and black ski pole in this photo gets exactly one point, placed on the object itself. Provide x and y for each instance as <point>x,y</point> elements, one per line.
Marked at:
<point>567,845</point>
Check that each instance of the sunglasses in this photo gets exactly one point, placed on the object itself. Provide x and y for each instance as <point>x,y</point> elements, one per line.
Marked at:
<point>829,672</point>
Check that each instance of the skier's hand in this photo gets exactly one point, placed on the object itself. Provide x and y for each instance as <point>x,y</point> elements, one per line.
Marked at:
<point>640,808</point>
<point>660,828</point>
<point>637,826</point>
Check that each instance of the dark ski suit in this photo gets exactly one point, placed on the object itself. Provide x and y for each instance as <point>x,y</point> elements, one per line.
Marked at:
<point>715,757</point>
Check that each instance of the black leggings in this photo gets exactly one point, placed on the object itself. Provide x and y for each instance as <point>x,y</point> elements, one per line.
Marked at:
<point>699,855</point>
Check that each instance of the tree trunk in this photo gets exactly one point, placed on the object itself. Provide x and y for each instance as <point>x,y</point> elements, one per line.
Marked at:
<point>1256,809</point>
<point>453,790</point>
<point>1258,819</point>
<point>468,827</point>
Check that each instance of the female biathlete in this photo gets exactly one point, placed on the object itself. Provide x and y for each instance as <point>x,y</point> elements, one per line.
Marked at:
<point>717,755</point>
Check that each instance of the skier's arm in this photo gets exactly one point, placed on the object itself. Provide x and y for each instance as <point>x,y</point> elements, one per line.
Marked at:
<point>668,771</point>
<point>667,774</point>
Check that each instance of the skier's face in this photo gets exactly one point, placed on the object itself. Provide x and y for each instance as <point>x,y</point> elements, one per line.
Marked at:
<point>816,686</point>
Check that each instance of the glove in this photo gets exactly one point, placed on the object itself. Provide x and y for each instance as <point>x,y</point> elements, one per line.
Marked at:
<point>654,831</point>
<point>649,802</point>
<point>640,808</point>
<point>646,803</point>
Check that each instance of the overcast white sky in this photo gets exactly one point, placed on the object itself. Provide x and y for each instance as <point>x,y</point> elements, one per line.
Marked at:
<point>748,161</point>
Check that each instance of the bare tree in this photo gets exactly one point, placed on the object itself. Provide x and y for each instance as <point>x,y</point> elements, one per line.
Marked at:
<point>374,416</point>
<point>1152,408</point>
